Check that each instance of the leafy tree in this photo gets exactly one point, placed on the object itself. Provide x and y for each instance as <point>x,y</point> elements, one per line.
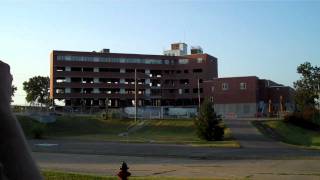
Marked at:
<point>37,89</point>
<point>13,90</point>
<point>308,87</point>
<point>208,124</point>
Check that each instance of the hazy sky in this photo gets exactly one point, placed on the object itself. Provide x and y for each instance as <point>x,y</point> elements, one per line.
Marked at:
<point>267,39</point>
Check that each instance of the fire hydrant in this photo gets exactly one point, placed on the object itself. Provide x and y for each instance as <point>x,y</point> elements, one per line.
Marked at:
<point>124,173</point>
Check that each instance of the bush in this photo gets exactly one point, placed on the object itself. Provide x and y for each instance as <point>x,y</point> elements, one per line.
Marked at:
<point>38,131</point>
<point>208,124</point>
<point>309,118</point>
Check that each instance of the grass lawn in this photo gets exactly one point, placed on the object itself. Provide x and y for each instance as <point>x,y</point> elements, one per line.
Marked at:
<point>177,131</point>
<point>53,175</point>
<point>292,134</point>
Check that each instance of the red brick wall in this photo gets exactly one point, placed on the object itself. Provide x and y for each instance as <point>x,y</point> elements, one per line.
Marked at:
<point>234,94</point>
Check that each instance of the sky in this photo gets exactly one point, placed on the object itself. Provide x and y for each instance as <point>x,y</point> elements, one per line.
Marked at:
<point>268,39</point>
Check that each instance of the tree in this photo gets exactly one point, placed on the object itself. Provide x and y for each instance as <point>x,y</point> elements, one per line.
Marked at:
<point>13,90</point>
<point>308,87</point>
<point>208,124</point>
<point>37,89</point>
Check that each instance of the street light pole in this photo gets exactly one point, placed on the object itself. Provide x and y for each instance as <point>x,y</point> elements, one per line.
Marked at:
<point>199,93</point>
<point>135,94</point>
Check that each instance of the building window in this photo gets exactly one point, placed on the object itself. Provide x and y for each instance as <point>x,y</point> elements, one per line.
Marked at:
<point>243,86</point>
<point>186,91</point>
<point>186,71</point>
<point>195,90</point>
<point>183,61</point>
<point>199,60</point>
<point>197,70</point>
<point>211,99</point>
<point>184,81</point>
<point>212,88</point>
<point>225,86</point>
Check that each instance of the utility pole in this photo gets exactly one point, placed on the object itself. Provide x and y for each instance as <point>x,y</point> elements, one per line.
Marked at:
<point>135,95</point>
<point>106,102</point>
<point>199,93</point>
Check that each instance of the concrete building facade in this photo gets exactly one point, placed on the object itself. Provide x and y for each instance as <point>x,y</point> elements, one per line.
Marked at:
<point>100,79</point>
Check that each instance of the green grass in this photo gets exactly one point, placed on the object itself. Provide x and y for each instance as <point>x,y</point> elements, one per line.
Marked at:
<point>53,175</point>
<point>177,131</point>
<point>292,134</point>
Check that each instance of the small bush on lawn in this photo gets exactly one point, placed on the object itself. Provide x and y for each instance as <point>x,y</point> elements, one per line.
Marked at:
<point>38,131</point>
<point>309,118</point>
<point>208,124</point>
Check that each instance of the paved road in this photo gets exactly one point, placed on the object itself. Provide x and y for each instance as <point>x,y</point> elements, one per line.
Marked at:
<point>254,146</point>
<point>259,157</point>
<point>182,167</point>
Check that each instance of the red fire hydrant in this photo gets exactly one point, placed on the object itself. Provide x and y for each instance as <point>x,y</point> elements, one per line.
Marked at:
<point>124,173</point>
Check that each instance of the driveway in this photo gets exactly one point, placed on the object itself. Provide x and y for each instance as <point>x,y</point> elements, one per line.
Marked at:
<point>250,138</point>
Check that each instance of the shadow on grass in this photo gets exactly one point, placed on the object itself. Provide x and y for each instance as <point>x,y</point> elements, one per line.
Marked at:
<point>288,133</point>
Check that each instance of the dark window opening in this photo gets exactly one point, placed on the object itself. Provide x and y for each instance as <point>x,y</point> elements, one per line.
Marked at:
<point>195,90</point>
<point>197,70</point>
<point>87,90</point>
<point>184,81</point>
<point>76,80</point>
<point>129,81</point>
<point>87,80</point>
<point>75,90</point>
<point>87,69</point>
<point>129,70</point>
<point>76,69</point>
<point>109,70</point>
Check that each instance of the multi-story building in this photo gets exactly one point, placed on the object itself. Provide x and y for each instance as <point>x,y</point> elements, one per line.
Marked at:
<point>97,79</point>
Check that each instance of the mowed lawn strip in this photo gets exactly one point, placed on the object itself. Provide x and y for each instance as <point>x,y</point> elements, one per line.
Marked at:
<point>293,134</point>
<point>176,131</point>
<point>54,175</point>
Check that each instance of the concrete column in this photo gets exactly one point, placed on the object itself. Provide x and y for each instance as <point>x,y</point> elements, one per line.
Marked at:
<point>68,79</point>
<point>96,80</point>
<point>67,90</point>
<point>147,81</point>
<point>148,92</point>
<point>96,91</point>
